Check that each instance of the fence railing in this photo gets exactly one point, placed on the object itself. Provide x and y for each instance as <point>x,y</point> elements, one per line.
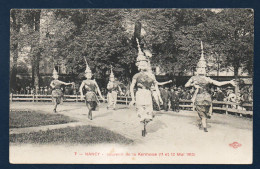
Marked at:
<point>224,107</point>
<point>67,98</point>
<point>218,106</point>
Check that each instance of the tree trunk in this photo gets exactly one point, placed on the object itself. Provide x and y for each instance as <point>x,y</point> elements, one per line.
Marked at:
<point>236,79</point>
<point>32,62</point>
<point>236,72</point>
<point>16,30</point>
<point>36,72</point>
<point>13,81</point>
<point>36,50</point>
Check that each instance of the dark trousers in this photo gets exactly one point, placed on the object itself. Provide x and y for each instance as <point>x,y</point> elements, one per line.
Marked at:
<point>175,105</point>
<point>165,105</point>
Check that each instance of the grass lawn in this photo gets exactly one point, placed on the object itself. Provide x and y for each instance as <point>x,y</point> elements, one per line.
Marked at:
<point>20,119</point>
<point>72,135</point>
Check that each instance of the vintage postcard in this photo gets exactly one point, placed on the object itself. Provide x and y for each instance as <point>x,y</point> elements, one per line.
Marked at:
<point>131,86</point>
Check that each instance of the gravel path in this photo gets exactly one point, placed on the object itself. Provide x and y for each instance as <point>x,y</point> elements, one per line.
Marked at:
<point>169,132</point>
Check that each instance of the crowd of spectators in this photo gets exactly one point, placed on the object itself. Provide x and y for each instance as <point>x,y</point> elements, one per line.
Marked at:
<point>45,90</point>
<point>171,96</point>
<point>67,90</point>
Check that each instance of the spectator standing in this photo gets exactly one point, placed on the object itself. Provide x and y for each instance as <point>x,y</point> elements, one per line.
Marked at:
<point>41,90</point>
<point>49,91</point>
<point>166,98</point>
<point>219,95</point>
<point>46,90</point>
<point>22,91</point>
<point>67,90</point>
<point>32,91</point>
<point>245,97</point>
<point>184,95</point>
<point>189,96</point>
<point>27,90</point>
<point>175,100</point>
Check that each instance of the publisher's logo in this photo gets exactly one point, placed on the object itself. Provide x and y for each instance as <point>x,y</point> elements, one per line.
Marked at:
<point>235,145</point>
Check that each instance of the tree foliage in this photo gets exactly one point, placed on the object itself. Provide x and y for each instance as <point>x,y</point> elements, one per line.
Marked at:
<point>107,37</point>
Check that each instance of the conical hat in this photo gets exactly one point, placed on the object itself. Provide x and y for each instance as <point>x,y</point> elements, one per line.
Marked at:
<point>88,70</point>
<point>202,62</point>
<point>54,73</point>
<point>141,56</point>
<point>111,74</point>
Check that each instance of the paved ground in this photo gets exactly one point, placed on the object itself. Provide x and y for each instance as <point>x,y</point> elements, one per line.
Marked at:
<point>170,132</point>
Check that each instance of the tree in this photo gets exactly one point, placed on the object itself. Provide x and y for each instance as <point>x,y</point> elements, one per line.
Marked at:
<point>25,32</point>
<point>107,38</point>
<point>15,30</point>
<point>36,48</point>
<point>21,23</point>
<point>100,37</point>
<point>232,31</point>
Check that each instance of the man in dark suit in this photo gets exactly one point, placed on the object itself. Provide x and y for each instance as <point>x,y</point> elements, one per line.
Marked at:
<point>175,100</point>
<point>219,95</point>
<point>165,94</point>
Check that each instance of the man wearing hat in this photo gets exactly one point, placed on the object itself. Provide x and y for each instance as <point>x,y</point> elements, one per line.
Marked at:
<point>113,88</point>
<point>56,90</point>
<point>91,87</point>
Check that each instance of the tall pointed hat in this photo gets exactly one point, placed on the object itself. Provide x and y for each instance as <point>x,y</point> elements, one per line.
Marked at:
<point>88,70</point>
<point>202,62</point>
<point>54,73</point>
<point>148,54</point>
<point>141,56</point>
<point>111,74</point>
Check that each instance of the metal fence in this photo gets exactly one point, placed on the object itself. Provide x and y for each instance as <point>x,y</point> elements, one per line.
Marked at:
<point>218,106</point>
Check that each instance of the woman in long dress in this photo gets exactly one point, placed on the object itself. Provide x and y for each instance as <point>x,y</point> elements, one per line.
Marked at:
<point>143,96</point>
<point>91,87</point>
<point>202,99</point>
<point>57,94</point>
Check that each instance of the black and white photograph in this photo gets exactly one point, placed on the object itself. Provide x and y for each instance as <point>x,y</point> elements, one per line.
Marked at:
<point>131,86</point>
